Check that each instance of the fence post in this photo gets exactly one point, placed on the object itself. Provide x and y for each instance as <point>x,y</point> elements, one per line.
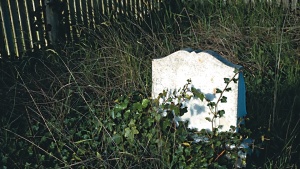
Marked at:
<point>52,21</point>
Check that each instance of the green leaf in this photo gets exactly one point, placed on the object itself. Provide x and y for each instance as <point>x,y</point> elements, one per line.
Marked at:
<point>127,132</point>
<point>175,109</point>
<point>131,123</point>
<point>224,99</point>
<point>127,114</point>
<point>174,93</point>
<point>208,119</point>
<point>117,138</point>
<point>228,89</point>
<point>236,70</point>
<point>221,113</point>
<point>197,93</point>
<point>137,106</point>
<point>52,145</point>
<point>121,106</point>
<point>233,128</point>
<point>164,93</point>
<point>149,136</point>
<point>211,104</point>
<point>43,139</point>
<point>98,155</point>
<point>134,130</point>
<point>148,122</point>
<point>188,97</point>
<point>226,80</point>
<point>183,111</point>
<point>118,115</point>
<point>145,103</point>
<point>157,116</point>
<point>166,123</point>
<point>218,91</point>
<point>130,132</point>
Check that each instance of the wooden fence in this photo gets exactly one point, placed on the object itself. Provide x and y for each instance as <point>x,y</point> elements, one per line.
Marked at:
<point>30,25</point>
<point>26,26</point>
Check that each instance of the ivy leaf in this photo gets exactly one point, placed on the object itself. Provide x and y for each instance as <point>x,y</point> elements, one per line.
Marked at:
<point>208,119</point>
<point>183,111</point>
<point>186,144</point>
<point>188,97</point>
<point>218,143</point>
<point>157,116</point>
<point>145,103</point>
<point>130,132</point>
<point>119,115</point>
<point>166,124</point>
<point>228,89</point>
<point>76,158</point>
<point>117,138</point>
<point>98,155</point>
<point>134,130</point>
<point>164,93</point>
<point>221,113</point>
<point>224,99</point>
<point>112,114</point>
<point>121,106</point>
<point>126,114</point>
<point>175,109</point>
<point>137,106</point>
<point>131,123</point>
<point>226,80</point>
<point>149,136</point>
<point>148,122</point>
<point>218,91</point>
<point>197,93</point>
<point>236,70</point>
<point>211,104</point>
<point>233,128</point>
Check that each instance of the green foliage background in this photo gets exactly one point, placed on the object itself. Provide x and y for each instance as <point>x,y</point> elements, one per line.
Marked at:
<point>85,104</point>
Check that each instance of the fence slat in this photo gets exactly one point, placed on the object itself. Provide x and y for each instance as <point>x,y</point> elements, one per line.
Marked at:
<point>40,13</point>
<point>25,26</point>
<point>90,14</point>
<point>97,13</point>
<point>8,28</point>
<point>19,29</point>
<point>294,5</point>
<point>15,27</point>
<point>72,20</point>
<point>3,34</point>
<point>31,24</point>
<point>67,22</point>
<point>78,8</point>
<point>84,13</point>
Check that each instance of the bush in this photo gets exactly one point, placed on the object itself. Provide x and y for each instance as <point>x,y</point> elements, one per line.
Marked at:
<point>136,133</point>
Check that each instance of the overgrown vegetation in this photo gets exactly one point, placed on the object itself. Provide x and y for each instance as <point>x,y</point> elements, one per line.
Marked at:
<point>69,107</point>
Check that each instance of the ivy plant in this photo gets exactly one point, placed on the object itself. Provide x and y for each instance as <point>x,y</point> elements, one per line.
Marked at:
<point>148,126</point>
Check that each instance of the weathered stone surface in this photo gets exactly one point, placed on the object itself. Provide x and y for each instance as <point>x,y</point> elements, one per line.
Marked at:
<point>207,71</point>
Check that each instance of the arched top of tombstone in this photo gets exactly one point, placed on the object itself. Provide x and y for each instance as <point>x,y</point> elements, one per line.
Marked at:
<point>216,55</point>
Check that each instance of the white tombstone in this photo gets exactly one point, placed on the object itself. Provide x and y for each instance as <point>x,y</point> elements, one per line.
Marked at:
<point>207,71</point>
